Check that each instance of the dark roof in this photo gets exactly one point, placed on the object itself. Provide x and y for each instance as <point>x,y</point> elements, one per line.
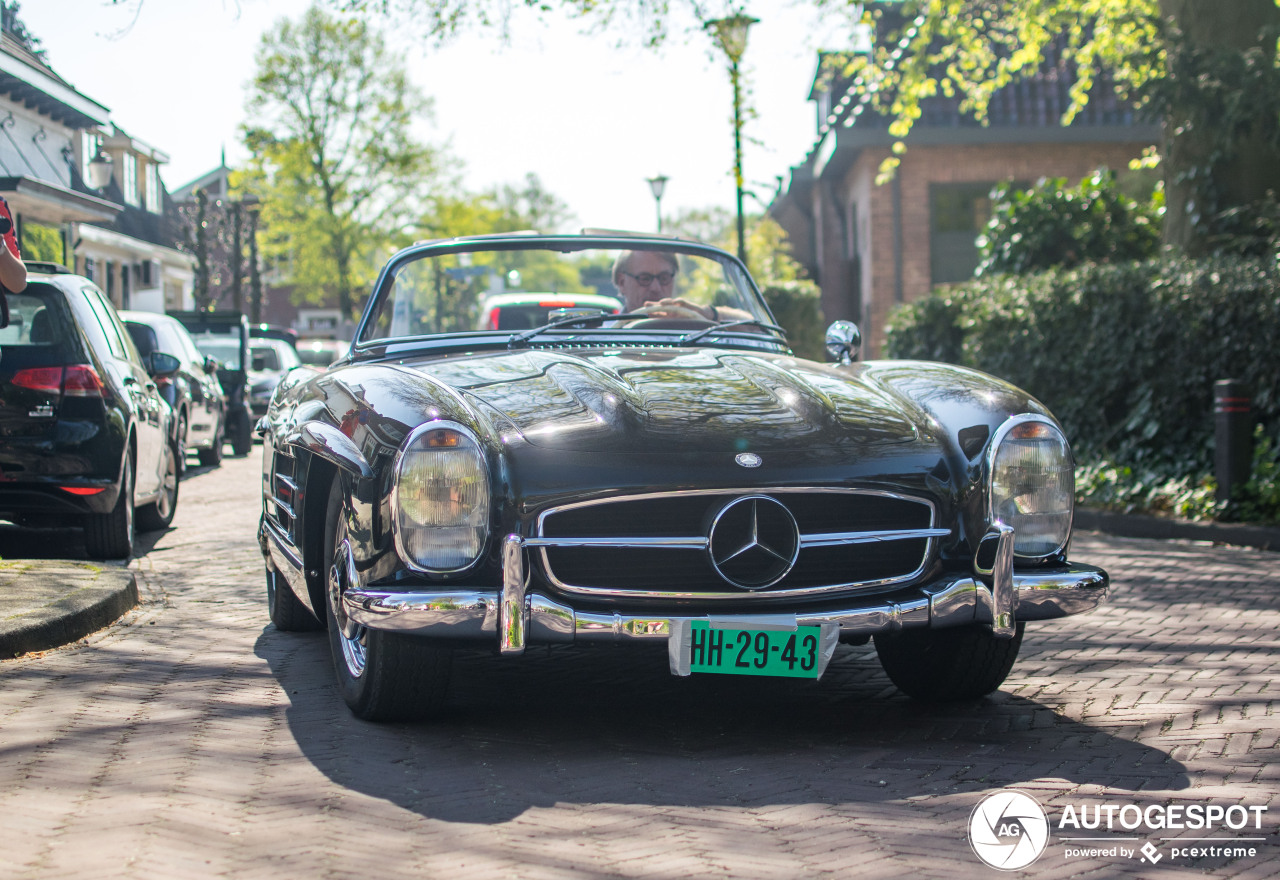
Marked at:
<point>28,80</point>
<point>136,221</point>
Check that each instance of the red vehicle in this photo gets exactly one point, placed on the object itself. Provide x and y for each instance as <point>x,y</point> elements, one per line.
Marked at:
<point>522,311</point>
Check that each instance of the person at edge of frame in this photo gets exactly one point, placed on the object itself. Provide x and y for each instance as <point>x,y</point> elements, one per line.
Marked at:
<point>13,274</point>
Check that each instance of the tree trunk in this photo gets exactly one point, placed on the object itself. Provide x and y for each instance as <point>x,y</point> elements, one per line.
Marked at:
<point>1199,184</point>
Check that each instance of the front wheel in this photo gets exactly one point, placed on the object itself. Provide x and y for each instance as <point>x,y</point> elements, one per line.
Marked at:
<point>212,457</point>
<point>180,437</point>
<point>159,514</point>
<point>945,665</point>
<point>382,676</point>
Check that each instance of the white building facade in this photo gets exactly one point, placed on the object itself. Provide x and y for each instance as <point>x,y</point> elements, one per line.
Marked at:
<point>121,233</point>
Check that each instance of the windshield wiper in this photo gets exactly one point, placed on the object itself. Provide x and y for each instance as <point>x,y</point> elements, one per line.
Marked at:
<point>573,319</point>
<point>694,337</point>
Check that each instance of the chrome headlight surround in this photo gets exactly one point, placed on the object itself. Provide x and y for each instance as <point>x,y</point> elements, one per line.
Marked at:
<point>440,499</point>
<point>1031,485</point>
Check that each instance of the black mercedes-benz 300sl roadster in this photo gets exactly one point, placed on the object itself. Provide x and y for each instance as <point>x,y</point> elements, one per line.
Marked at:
<point>670,473</point>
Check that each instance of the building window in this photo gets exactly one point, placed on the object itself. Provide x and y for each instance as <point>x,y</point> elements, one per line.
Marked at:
<point>152,193</point>
<point>129,179</point>
<point>958,213</point>
<point>852,247</point>
<point>90,144</point>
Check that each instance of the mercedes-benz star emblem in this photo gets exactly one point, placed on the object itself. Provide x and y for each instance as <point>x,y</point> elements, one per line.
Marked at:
<point>754,542</point>
<point>748,459</point>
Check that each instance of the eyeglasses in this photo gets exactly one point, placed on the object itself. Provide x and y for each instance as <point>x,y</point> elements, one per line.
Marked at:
<point>644,279</point>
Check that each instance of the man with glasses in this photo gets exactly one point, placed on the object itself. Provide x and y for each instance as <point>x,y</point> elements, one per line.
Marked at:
<point>646,280</point>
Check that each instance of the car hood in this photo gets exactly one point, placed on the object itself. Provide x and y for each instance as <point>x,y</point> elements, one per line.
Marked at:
<point>676,400</point>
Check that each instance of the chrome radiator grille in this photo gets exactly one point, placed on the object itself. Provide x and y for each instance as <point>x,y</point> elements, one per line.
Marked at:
<point>737,543</point>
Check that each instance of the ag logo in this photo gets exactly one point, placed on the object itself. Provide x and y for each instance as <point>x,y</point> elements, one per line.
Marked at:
<point>1008,830</point>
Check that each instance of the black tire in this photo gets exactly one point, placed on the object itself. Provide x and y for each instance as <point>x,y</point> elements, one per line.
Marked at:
<point>242,437</point>
<point>159,514</point>
<point>180,438</point>
<point>212,457</point>
<point>287,613</point>
<point>382,676</point>
<point>110,535</point>
<point>945,665</point>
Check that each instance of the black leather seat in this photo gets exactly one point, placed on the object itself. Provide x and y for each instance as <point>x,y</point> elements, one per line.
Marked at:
<point>41,328</point>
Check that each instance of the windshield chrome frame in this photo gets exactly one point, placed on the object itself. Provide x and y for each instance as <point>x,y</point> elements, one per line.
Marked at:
<point>568,243</point>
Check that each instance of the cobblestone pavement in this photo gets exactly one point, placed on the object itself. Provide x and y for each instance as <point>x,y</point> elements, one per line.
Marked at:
<point>193,740</point>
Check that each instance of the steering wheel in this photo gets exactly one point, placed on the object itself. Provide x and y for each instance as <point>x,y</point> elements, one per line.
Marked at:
<point>670,324</point>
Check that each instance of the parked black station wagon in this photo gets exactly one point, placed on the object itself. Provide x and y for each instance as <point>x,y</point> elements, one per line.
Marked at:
<point>85,436</point>
<point>669,474</point>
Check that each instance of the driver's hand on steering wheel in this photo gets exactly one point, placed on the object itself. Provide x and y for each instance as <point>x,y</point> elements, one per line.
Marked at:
<point>676,307</point>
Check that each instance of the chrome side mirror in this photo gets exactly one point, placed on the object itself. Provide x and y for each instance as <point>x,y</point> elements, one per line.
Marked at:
<point>843,342</point>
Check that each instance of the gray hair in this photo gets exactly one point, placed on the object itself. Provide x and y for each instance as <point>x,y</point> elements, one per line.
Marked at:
<point>623,262</point>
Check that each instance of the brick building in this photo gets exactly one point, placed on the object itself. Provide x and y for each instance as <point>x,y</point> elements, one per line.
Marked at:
<point>872,247</point>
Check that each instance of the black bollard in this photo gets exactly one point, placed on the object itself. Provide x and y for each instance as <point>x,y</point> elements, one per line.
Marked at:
<point>1233,436</point>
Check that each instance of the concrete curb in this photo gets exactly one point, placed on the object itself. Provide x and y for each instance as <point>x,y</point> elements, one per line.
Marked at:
<point>48,603</point>
<point>1130,525</point>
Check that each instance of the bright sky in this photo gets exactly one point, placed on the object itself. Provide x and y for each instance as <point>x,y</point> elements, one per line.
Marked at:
<point>591,119</point>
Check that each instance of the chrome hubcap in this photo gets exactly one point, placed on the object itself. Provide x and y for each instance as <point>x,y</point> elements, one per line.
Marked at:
<point>351,636</point>
<point>165,502</point>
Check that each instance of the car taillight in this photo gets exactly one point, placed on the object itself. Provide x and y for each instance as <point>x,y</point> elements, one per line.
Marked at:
<point>77,380</point>
<point>81,380</point>
<point>493,319</point>
<point>48,379</point>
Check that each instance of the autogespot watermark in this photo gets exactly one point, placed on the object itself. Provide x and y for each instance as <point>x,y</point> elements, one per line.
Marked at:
<point>1009,830</point>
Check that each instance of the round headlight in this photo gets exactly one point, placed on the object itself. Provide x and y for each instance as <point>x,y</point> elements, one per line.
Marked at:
<point>1033,485</point>
<point>440,499</point>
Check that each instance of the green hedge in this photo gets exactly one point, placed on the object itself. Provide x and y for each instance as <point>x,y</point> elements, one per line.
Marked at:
<point>1124,354</point>
<point>797,307</point>
<point>1052,224</point>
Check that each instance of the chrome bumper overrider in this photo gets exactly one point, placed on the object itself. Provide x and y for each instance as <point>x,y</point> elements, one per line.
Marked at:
<point>519,617</point>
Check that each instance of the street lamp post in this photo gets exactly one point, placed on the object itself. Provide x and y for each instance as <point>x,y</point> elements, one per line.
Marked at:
<point>658,185</point>
<point>253,206</point>
<point>249,205</point>
<point>236,260</point>
<point>731,36</point>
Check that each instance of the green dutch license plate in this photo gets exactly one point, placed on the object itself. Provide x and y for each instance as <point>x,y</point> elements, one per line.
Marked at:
<point>789,653</point>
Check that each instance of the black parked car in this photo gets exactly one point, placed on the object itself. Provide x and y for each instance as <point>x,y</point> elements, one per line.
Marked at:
<point>193,392</point>
<point>85,436</point>
<point>672,474</point>
<point>224,336</point>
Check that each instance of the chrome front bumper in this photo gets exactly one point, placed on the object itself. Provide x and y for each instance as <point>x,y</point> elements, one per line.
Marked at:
<point>518,617</point>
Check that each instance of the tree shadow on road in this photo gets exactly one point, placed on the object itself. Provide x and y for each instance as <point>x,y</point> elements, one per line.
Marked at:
<point>611,726</point>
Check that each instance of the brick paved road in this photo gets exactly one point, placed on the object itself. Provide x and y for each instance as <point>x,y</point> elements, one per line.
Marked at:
<point>193,740</point>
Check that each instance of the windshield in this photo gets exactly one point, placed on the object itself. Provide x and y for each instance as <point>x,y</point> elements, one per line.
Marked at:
<point>321,353</point>
<point>501,286</point>
<point>270,356</point>
<point>225,349</point>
